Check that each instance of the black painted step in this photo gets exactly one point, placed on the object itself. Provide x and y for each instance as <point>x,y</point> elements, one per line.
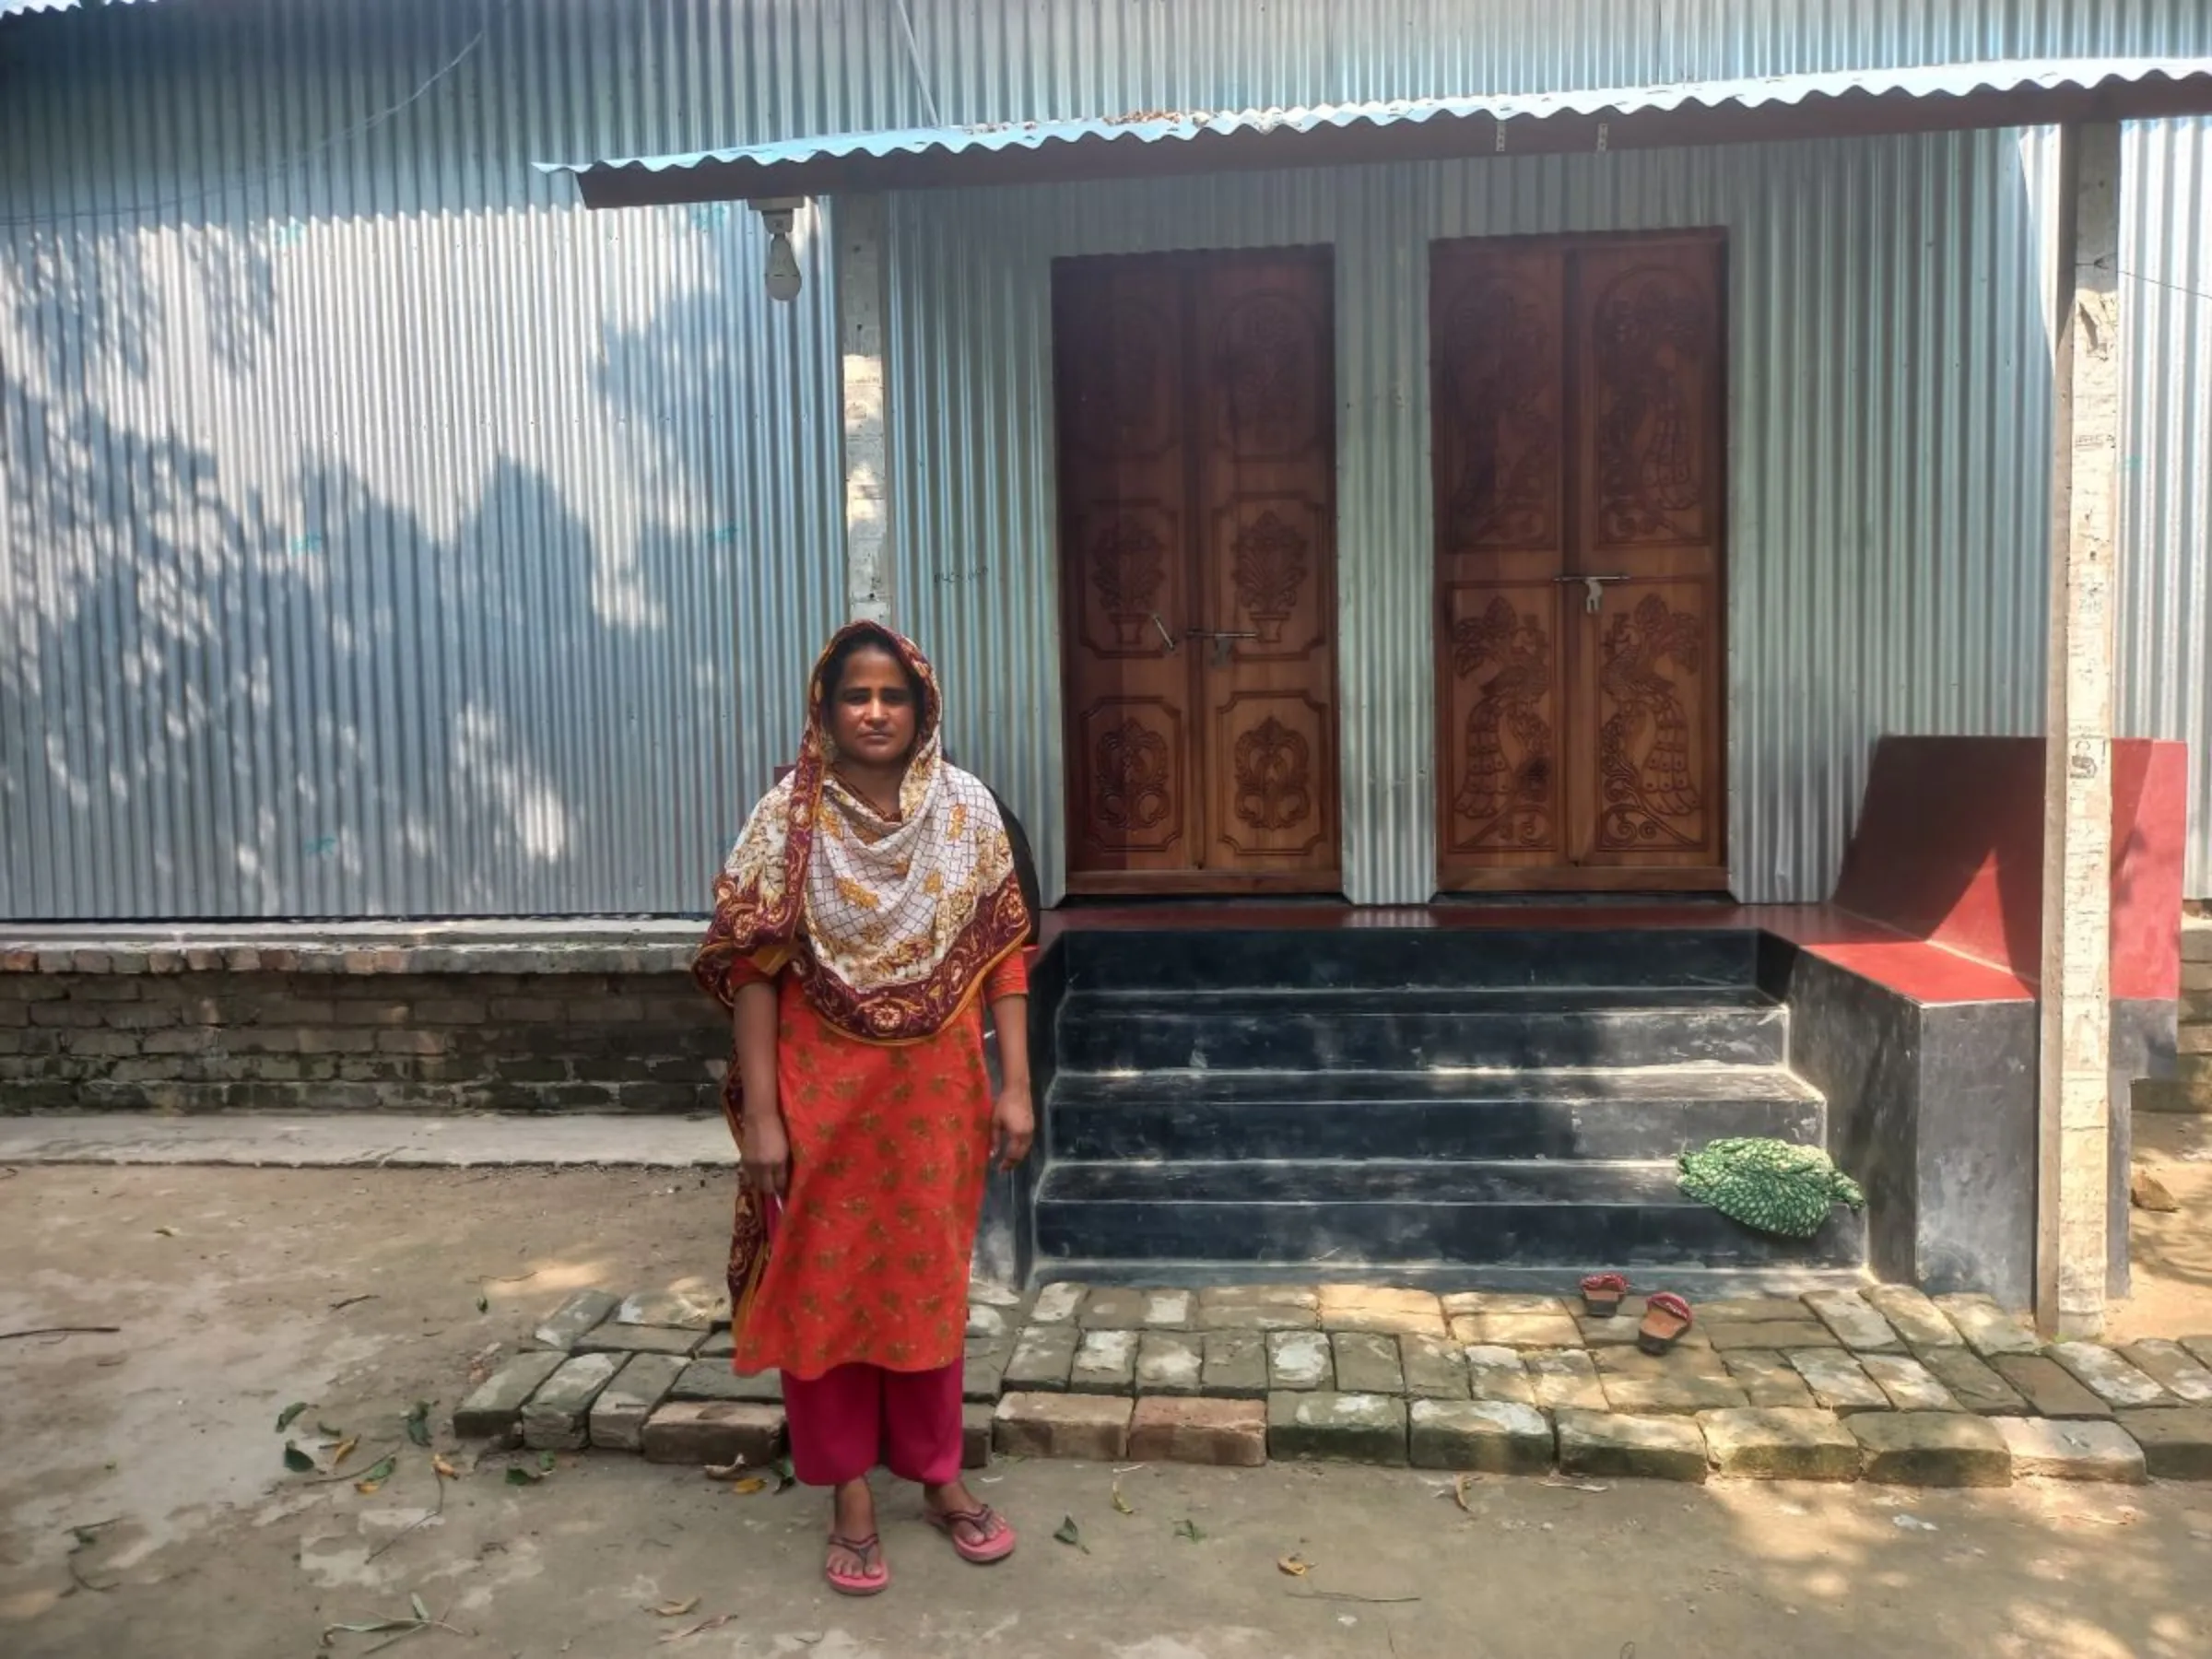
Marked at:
<point>1439,958</point>
<point>1698,1282</point>
<point>1644,1114</point>
<point>1399,1030</point>
<point>1344,1213</point>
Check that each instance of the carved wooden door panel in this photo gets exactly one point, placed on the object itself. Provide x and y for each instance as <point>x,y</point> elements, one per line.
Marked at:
<point>1197,466</point>
<point>1650,802</point>
<point>1125,557</point>
<point>1578,434</point>
<point>1266,511</point>
<point>1497,339</point>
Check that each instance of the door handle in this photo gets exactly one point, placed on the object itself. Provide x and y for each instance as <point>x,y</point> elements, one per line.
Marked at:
<point>1595,599</point>
<point>1167,639</point>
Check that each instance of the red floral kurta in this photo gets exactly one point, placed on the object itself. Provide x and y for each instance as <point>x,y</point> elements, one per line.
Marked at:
<point>889,1147</point>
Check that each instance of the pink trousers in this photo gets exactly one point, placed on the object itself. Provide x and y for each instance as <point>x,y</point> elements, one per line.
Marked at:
<point>853,1418</point>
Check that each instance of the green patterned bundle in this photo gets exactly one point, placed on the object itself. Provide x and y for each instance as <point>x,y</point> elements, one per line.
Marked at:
<point>1769,1185</point>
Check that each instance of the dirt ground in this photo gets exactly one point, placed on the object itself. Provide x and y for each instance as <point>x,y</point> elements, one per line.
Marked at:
<point>2172,1272</point>
<point>227,1286</point>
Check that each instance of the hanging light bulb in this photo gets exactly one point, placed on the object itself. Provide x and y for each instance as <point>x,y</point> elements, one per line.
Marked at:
<point>784,278</point>
<point>781,275</point>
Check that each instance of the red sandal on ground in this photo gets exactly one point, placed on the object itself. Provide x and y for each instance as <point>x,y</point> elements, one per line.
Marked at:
<point>1602,1293</point>
<point>994,1540</point>
<point>1665,1317</point>
<point>868,1580</point>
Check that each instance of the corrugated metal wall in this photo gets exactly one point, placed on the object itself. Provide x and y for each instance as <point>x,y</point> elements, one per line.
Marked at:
<point>1886,511</point>
<point>2166,515</point>
<point>381,534</point>
<point>387,535</point>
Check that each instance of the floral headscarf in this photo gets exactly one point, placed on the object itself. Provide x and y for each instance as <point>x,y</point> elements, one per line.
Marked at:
<point>890,925</point>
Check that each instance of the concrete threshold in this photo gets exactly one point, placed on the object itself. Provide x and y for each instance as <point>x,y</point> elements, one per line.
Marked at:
<point>337,1139</point>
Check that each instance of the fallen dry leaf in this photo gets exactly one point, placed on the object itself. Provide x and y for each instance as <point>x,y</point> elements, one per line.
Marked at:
<point>2147,1192</point>
<point>373,1481</point>
<point>2126,1517</point>
<point>1121,1503</point>
<point>749,1486</point>
<point>1296,1566</point>
<point>677,1609</point>
<point>1459,1492</point>
<point>445,1470</point>
<point>345,1451</point>
<point>714,1623</point>
<point>723,1471</point>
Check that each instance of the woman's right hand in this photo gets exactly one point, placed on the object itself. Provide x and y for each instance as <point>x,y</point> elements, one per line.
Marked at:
<point>767,1154</point>
<point>763,1146</point>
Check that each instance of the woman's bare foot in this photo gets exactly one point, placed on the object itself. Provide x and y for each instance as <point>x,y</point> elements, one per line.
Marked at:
<point>978,1532</point>
<point>951,1499</point>
<point>854,1565</point>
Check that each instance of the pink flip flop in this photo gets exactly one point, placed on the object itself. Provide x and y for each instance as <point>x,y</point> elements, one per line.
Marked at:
<point>1665,1317</point>
<point>864,1583</point>
<point>1602,1293</point>
<point>997,1536</point>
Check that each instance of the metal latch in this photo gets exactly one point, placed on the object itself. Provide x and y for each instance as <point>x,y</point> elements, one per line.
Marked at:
<point>1222,639</point>
<point>1595,597</point>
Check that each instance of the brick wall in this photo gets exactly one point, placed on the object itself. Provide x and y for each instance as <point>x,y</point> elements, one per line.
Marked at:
<point>391,1029</point>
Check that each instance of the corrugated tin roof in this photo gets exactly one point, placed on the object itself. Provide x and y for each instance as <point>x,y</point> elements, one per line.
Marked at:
<point>12,8</point>
<point>1938,98</point>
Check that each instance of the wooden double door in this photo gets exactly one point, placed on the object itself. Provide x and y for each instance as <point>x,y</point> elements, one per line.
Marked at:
<point>1577,449</point>
<point>1197,570</point>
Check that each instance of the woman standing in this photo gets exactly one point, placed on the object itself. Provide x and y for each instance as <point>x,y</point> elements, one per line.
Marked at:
<point>867,911</point>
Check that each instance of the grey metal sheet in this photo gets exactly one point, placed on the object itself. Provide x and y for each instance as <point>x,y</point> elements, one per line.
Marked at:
<point>380,534</point>
<point>1143,142</point>
<point>17,8</point>
<point>2165,608</point>
<point>1889,438</point>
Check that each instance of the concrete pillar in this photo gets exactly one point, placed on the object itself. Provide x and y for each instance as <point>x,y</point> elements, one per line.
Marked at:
<point>862,305</point>
<point>2071,1212</point>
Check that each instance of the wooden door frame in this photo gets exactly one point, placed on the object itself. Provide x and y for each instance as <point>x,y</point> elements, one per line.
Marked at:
<point>1200,883</point>
<point>1715,878</point>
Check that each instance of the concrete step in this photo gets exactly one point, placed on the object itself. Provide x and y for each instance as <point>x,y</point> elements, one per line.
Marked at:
<point>1652,1113</point>
<point>1400,1030</point>
<point>1698,1284</point>
<point>1437,958</point>
<point>1374,1212</point>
